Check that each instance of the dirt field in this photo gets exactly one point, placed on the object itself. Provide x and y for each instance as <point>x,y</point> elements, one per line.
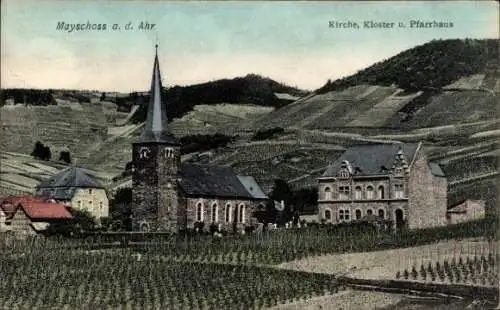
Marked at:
<point>385,264</point>
<point>345,300</point>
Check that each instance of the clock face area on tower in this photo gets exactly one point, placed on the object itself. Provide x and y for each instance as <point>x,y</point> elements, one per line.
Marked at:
<point>144,153</point>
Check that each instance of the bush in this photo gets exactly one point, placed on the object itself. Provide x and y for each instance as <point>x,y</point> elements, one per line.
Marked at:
<point>41,151</point>
<point>266,134</point>
<point>65,156</point>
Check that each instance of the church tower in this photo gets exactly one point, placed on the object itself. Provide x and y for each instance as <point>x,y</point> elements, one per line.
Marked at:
<point>157,166</point>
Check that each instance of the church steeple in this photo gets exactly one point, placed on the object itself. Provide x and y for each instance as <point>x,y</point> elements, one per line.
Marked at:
<point>156,126</point>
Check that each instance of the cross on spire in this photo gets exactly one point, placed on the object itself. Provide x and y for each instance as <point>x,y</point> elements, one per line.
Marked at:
<point>156,126</point>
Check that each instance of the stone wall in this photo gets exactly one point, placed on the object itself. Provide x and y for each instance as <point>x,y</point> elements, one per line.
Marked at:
<point>388,206</point>
<point>21,224</point>
<point>425,210</point>
<point>155,191</point>
<point>467,211</point>
<point>250,207</point>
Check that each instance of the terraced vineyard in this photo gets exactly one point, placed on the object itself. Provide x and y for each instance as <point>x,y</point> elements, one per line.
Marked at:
<point>77,128</point>
<point>455,107</point>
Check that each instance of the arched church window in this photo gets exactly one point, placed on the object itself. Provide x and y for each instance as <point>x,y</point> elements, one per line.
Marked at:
<point>199,212</point>
<point>228,212</point>
<point>241,215</point>
<point>215,213</point>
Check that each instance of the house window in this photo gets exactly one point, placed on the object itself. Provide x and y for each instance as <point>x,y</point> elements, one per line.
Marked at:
<point>344,192</point>
<point>90,204</point>
<point>358,214</point>
<point>369,192</point>
<point>241,215</point>
<point>100,205</point>
<point>381,213</point>
<point>199,212</point>
<point>369,212</point>
<point>328,193</point>
<point>328,214</point>
<point>228,212</point>
<point>215,213</point>
<point>341,215</point>
<point>90,191</point>
<point>381,192</point>
<point>398,190</point>
<point>79,203</point>
<point>346,215</point>
<point>357,193</point>
<point>344,174</point>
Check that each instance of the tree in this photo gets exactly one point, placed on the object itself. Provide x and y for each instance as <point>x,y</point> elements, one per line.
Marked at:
<point>41,151</point>
<point>121,209</point>
<point>65,156</point>
<point>82,221</point>
<point>282,192</point>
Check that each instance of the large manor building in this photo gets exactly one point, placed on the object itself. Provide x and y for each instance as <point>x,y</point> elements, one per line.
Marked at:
<point>394,183</point>
<point>169,195</point>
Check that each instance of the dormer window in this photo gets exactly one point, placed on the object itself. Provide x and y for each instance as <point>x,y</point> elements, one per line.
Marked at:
<point>344,174</point>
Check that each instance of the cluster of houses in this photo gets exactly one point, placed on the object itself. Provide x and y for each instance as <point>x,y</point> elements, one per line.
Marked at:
<point>393,184</point>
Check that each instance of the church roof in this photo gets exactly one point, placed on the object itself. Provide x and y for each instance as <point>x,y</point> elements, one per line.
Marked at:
<point>156,127</point>
<point>252,187</point>
<point>220,181</point>
<point>70,177</point>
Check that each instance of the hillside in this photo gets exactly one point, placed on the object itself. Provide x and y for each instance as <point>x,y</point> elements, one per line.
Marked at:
<point>454,115</point>
<point>430,66</point>
<point>250,89</point>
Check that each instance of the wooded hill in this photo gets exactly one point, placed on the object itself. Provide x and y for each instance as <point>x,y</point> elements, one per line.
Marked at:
<point>429,66</point>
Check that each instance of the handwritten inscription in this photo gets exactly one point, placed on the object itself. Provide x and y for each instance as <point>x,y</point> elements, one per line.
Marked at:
<point>90,26</point>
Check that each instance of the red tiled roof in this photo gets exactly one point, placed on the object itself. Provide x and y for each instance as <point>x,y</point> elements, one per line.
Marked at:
<point>15,200</point>
<point>45,210</point>
<point>9,204</point>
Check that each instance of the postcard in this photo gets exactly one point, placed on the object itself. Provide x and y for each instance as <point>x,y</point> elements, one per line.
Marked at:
<point>249,155</point>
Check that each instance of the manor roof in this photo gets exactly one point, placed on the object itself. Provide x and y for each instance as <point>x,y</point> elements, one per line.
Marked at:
<point>376,159</point>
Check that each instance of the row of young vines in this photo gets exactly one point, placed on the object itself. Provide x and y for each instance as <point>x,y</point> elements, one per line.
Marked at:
<point>111,279</point>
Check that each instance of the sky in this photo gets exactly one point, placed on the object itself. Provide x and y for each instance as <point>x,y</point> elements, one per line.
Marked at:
<point>203,41</point>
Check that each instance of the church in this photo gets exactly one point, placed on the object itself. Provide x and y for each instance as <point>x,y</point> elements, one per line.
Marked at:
<point>169,195</point>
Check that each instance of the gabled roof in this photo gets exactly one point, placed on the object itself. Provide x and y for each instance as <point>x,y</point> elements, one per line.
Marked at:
<point>376,159</point>
<point>436,169</point>
<point>210,180</point>
<point>70,177</point>
<point>44,211</point>
<point>9,204</point>
<point>252,187</point>
<point>155,129</point>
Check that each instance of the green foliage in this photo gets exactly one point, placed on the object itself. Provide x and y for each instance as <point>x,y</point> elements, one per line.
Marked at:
<point>251,89</point>
<point>120,210</point>
<point>27,96</point>
<point>82,221</point>
<point>267,134</point>
<point>65,156</point>
<point>41,151</point>
<point>200,143</point>
<point>428,66</point>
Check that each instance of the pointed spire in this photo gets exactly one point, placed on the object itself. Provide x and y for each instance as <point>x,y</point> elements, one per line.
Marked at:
<point>156,126</point>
